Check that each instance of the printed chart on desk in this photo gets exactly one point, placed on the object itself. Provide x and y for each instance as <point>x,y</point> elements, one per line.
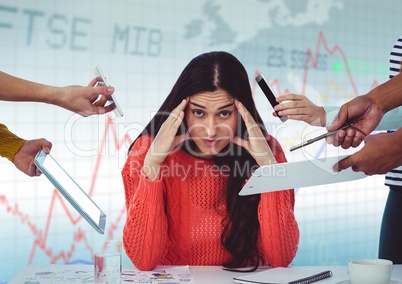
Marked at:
<point>330,51</point>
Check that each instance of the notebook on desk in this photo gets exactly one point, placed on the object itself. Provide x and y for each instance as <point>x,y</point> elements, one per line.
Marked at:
<point>289,275</point>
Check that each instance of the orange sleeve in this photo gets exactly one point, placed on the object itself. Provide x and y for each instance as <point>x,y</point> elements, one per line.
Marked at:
<point>278,227</point>
<point>145,231</point>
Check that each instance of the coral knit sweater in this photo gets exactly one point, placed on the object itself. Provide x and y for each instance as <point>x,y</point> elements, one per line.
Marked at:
<point>177,220</point>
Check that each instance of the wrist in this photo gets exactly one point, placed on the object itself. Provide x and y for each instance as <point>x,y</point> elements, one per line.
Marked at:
<point>396,138</point>
<point>376,100</point>
<point>55,96</point>
<point>151,172</point>
<point>398,135</point>
<point>266,160</point>
<point>151,169</point>
<point>322,116</point>
<point>387,95</point>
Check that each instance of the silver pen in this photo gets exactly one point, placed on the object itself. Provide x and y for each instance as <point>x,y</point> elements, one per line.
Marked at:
<point>312,140</point>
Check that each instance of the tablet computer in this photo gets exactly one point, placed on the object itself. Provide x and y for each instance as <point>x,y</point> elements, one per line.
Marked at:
<point>74,194</point>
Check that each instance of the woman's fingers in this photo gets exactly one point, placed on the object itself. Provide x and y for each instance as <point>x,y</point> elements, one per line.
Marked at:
<point>257,144</point>
<point>252,127</point>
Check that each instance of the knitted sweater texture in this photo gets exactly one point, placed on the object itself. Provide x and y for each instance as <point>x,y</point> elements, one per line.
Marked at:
<point>9,143</point>
<point>177,220</point>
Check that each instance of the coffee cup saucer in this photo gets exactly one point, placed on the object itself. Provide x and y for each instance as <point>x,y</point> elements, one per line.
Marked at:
<point>392,281</point>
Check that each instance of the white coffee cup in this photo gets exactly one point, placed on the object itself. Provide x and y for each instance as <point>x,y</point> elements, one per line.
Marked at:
<point>370,271</point>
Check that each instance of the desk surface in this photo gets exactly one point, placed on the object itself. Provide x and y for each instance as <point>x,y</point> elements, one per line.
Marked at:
<point>204,274</point>
<point>216,275</point>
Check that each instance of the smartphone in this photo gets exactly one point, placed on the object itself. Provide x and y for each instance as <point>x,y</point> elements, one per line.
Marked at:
<point>102,81</point>
<point>74,194</point>
<point>269,93</point>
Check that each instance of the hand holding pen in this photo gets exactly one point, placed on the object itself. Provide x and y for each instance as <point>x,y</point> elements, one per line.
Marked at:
<point>326,135</point>
<point>363,114</point>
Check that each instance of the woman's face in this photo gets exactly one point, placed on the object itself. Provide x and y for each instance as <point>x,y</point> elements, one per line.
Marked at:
<point>212,121</point>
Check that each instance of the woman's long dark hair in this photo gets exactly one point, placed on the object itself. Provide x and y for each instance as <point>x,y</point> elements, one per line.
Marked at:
<point>207,73</point>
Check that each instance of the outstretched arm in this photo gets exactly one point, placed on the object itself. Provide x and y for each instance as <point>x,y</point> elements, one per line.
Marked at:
<point>85,101</point>
<point>380,154</point>
<point>21,152</point>
<point>365,112</point>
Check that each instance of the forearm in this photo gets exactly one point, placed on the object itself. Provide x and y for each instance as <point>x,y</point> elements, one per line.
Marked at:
<point>391,120</point>
<point>151,170</point>
<point>388,95</point>
<point>16,89</point>
<point>279,229</point>
<point>145,231</point>
<point>398,136</point>
<point>9,143</point>
<point>381,153</point>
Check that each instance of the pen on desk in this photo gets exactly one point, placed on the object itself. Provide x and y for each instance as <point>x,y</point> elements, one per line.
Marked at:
<point>312,140</point>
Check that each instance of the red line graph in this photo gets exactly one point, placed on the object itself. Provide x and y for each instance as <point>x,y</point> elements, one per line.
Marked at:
<point>313,57</point>
<point>41,236</point>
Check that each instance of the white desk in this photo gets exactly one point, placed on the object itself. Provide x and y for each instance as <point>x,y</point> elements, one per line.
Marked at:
<point>216,275</point>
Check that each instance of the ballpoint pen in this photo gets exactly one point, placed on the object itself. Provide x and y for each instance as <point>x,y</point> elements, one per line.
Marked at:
<point>312,140</point>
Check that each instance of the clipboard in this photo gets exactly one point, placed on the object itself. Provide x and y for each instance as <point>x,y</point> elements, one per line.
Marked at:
<point>74,194</point>
<point>298,174</point>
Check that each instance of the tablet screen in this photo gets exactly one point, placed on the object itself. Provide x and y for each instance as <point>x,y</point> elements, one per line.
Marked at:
<point>71,190</point>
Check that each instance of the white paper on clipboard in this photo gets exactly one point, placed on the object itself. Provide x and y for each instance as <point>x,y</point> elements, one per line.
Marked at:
<point>297,174</point>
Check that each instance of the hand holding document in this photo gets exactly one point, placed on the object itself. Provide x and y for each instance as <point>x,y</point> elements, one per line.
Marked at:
<point>297,174</point>
<point>318,138</point>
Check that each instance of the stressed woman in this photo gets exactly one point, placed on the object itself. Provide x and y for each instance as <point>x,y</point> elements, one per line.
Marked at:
<point>185,170</point>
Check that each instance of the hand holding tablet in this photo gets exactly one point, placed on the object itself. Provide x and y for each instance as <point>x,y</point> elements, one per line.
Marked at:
<point>71,191</point>
<point>291,175</point>
<point>66,185</point>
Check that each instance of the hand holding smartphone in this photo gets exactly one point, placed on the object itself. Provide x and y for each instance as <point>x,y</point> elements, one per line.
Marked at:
<point>102,81</point>
<point>269,93</point>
